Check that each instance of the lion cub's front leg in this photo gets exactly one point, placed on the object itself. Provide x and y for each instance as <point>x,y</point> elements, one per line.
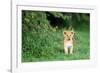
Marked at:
<point>71,50</point>
<point>66,50</point>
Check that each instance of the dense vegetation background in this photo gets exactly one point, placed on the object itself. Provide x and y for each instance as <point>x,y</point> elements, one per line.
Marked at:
<point>42,35</point>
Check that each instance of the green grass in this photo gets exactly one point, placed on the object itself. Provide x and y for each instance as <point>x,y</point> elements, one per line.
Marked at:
<point>47,45</point>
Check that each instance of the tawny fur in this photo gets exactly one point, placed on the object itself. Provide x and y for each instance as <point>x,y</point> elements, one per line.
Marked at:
<point>68,42</point>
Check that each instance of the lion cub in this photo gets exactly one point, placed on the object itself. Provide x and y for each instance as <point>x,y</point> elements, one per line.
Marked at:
<point>68,42</point>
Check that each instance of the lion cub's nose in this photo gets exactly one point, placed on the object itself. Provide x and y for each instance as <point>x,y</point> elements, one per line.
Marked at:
<point>68,39</point>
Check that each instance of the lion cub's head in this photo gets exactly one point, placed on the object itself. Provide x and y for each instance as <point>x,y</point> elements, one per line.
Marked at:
<point>68,35</point>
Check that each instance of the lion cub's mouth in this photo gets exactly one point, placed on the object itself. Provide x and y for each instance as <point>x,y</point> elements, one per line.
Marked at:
<point>68,39</point>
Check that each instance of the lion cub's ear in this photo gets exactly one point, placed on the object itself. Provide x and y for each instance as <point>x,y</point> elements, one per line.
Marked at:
<point>72,32</point>
<point>64,32</point>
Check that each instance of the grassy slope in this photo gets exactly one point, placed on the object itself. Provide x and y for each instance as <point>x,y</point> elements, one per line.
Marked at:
<point>48,46</point>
